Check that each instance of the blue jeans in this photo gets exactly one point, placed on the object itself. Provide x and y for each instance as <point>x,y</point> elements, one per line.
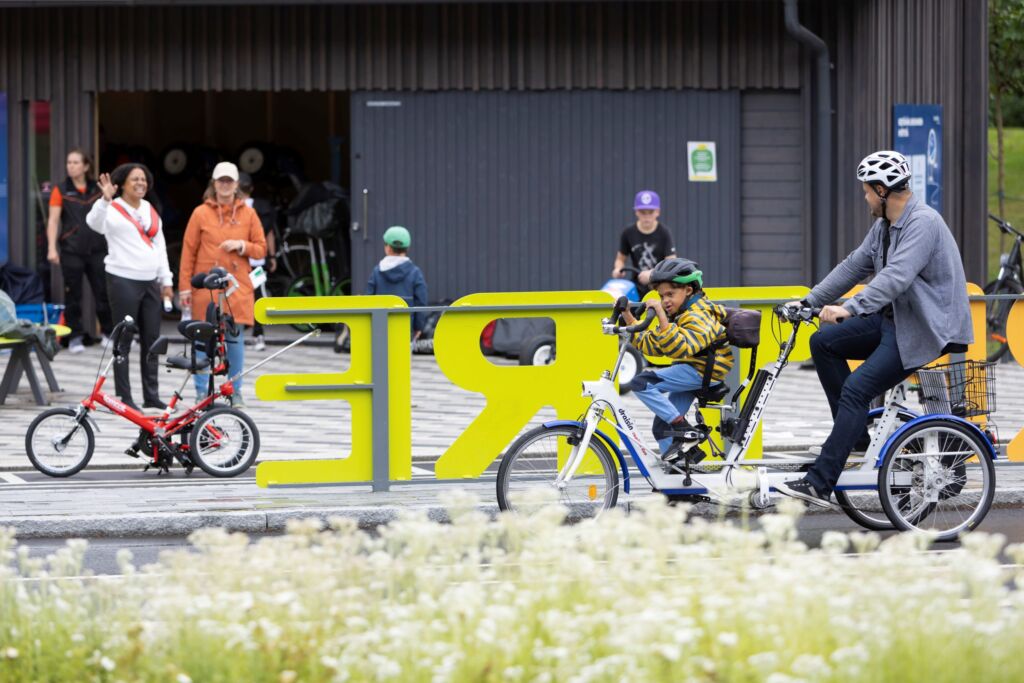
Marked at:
<point>236,361</point>
<point>873,340</point>
<point>668,392</point>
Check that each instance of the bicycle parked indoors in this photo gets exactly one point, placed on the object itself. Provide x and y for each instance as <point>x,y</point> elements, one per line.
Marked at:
<point>1008,281</point>
<point>222,440</point>
<point>932,472</point>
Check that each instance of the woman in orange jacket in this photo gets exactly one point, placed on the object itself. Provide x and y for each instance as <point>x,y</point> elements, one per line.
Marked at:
<point>223,232</point>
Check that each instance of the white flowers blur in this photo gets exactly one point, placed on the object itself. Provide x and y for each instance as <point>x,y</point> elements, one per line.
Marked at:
<point>649,596</point>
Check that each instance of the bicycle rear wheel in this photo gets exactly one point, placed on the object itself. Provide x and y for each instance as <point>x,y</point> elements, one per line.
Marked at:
<point>937,477</point>
<point>224,442</point>
<point>527,473</point>
<point>58,443</point>
<point>996,313</point>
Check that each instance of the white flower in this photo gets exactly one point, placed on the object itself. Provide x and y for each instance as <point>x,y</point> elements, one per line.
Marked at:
<point>728,639</point>
<point>183,678</point>
<point>107,663</point>
<point>11,653</point>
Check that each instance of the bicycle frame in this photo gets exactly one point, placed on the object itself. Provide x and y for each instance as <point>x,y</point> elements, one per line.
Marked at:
<point>737,475</point>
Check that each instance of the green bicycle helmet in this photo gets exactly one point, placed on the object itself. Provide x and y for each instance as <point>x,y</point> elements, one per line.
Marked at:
<point>679,270</point>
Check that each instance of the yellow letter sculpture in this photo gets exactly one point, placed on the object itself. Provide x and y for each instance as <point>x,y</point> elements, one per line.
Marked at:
<point>515,393</point>
<point>356,385</point>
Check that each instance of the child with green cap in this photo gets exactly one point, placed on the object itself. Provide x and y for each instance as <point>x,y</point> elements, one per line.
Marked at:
<point>397,274</point>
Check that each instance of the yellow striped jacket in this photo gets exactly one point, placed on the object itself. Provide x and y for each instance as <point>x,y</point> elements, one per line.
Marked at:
<point>692,330</point>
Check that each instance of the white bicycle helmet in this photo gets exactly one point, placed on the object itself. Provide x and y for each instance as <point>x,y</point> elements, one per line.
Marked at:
<point>886,167</point>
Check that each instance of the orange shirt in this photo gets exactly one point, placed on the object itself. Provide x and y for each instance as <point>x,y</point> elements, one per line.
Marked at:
<point>57,200</point>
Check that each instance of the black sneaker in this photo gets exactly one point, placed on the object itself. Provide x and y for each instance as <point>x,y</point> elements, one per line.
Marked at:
<point>155,406</point>
<point>130,403</point>
<point>805,491</point>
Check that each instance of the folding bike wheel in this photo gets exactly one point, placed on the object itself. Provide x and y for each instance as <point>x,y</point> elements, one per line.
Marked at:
<point>224,442</point>
<point>527,473</point>
<point>58,444</point>
<point>939,478</point>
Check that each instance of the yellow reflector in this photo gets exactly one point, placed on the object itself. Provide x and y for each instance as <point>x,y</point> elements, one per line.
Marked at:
<point>592,491</point>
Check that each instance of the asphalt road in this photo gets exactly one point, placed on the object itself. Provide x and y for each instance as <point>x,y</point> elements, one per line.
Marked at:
<point>101,556</point>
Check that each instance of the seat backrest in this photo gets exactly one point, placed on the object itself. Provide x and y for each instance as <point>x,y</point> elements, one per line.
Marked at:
<point>743,327</point>
<point>197,330</point>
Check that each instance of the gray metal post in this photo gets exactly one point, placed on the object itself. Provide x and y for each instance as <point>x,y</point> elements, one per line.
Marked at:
<point>380,402</point>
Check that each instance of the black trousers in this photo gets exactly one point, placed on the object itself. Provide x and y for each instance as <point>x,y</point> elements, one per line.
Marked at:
<point>140,300</point>
<point>74,268</point>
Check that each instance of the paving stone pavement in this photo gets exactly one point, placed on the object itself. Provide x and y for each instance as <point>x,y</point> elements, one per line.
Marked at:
<point>796,418</point>
<point>101,503</point>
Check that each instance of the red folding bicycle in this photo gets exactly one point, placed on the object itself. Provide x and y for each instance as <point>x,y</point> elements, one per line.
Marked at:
<point>223,441</point>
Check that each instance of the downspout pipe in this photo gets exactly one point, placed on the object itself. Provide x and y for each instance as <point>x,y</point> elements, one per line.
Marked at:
<point>823,230</point>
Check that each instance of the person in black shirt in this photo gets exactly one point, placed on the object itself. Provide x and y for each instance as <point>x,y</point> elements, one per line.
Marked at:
<point>647,242</point>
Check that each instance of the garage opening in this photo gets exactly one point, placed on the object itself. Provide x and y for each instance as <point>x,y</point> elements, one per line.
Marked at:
<point>294,145</point>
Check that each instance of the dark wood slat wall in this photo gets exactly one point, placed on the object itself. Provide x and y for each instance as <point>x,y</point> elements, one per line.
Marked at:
<point>884,51</point>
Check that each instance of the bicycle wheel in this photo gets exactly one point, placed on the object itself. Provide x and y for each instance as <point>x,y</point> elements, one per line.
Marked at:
<point>938,477</point>
<point>864,507</point>
<point>342,288</point>
<point>302,286</point>
<point>58,444</point>
<point>528,469</point>
<point>224,442</point>
<point>996,313</point>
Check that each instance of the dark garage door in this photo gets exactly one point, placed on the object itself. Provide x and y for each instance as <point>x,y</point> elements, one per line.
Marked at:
<point>529,191</point>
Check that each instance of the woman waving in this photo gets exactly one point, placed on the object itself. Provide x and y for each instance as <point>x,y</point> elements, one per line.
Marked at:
<point>137,270</point>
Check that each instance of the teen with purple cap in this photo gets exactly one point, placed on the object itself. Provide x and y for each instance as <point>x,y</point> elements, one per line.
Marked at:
<point>647,242</point>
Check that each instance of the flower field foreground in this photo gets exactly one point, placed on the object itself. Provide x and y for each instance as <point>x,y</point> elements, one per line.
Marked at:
<point>643,597</point>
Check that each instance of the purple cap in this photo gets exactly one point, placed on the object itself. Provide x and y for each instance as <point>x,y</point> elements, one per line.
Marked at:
<point>647,199</point>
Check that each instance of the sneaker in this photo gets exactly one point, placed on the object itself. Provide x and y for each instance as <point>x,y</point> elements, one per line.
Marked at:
<point>805,491</point>
<point>155,405</point>
<point>76,345</point>
<point>260,344</point>
<point>130,403</point>
<point>105,342</point>
<point>237,401</point>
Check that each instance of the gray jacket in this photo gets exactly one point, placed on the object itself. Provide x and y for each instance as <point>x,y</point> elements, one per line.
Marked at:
<point>923,280</point>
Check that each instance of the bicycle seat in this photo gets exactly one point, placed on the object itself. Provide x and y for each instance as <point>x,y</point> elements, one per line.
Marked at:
<point>196,330</point>
<point>185,363</point>
<point>715,393</point>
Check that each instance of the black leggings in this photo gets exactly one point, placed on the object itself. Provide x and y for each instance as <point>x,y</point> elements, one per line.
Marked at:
<point>140,300</point>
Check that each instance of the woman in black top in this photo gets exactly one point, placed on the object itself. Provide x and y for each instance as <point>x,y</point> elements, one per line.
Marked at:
<point>78,250</point>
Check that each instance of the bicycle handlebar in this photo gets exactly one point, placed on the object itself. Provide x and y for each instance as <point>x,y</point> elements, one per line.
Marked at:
<point>640,324</point>
<point>1005,226</point>
<point>796,314</point>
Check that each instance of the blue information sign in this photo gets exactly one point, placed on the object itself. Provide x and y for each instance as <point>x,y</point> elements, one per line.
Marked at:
<point>4,216</point>
<point>917,135</point>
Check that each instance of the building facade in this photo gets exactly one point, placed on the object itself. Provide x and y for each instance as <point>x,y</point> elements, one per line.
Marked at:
<point>511,137</point>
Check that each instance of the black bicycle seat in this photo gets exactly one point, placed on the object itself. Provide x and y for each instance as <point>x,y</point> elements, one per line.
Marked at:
<point>196,330</point>
<point>184,363</point>
<point>715,393</point>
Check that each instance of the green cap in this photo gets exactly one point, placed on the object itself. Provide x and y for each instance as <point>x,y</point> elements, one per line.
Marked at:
<point>397,236</point>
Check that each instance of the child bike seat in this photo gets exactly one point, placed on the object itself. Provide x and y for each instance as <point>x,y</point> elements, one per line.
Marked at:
<point>196,330</point>
<point>185,363</point>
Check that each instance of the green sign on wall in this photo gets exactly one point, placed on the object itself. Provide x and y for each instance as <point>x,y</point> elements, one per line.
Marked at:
<point>702,162</point>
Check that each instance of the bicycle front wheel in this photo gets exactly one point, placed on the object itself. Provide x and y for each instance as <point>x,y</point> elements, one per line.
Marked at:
<point>224,442</point>
<point>864,507</point>
<point>58,444</point>
<point>939,478</point>
<point>996,313</point>
<point>529,468</point>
